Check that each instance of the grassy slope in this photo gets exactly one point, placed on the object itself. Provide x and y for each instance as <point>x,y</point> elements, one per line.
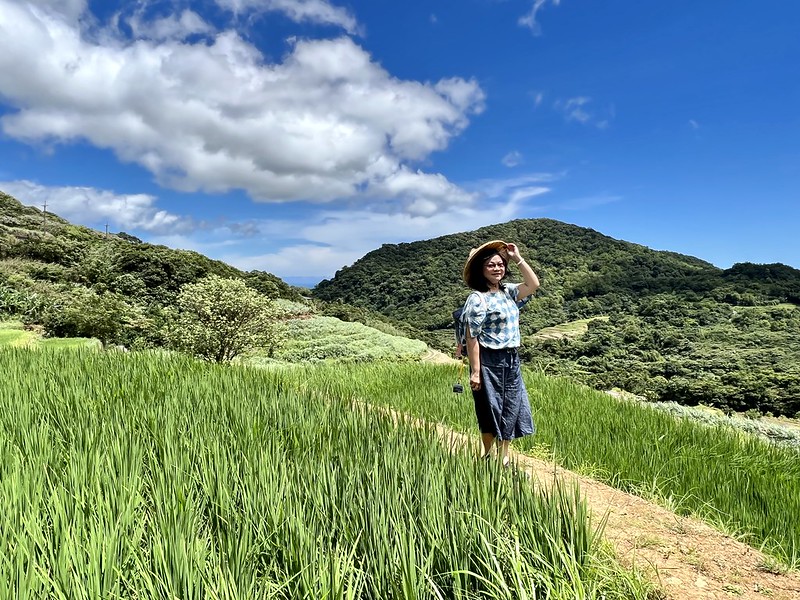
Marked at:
<point>12,333</point>
<point>167,477</point>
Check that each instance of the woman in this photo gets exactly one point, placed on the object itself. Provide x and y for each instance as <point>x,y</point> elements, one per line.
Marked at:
<point>492,317</point>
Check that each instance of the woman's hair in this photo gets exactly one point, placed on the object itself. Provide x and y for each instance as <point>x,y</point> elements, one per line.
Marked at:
<point>476,268</point>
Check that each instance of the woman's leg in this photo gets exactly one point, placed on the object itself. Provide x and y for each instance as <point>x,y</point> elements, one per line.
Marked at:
<point>502,451</point>
<point>487,439</point>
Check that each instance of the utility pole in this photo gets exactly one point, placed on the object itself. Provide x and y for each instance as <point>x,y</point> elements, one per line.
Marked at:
<point>106,230</point>
<point>44,216</point>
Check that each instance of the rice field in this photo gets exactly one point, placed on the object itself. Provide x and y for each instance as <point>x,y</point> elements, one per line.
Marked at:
<point>740,483</point>
<point>157,476</point>
<point>13,333</point>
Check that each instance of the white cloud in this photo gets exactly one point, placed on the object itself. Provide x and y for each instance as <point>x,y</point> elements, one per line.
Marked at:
<point>529,20</point>
<point>326,122</point>
<point>520,194</point>
<point>538,97</point>
<point>503,188</point>
<point>89,206</point>
<point>574,109</point>
<point>171,27</point>
<point>694,124</point>
<point>577,110</point>
<point>313,11</point>
<point>512,159</point>
<point>421,193</point>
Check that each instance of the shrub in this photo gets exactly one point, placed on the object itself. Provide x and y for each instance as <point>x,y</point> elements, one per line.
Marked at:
<point>219,319</point>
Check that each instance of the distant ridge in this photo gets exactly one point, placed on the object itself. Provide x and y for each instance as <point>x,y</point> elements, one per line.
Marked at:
<point>421,280</point>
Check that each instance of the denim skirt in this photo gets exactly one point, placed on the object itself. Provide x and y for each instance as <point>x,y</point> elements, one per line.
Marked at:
<point>501,404</point>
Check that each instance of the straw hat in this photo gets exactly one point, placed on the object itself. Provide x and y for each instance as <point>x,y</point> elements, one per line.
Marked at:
<point>483,251</point>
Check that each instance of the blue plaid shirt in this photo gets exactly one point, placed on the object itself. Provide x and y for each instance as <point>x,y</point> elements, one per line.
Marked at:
<point>493,317</point>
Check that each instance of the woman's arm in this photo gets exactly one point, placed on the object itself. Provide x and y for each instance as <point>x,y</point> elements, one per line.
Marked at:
<point>474,354</point>
<point>530,282</point>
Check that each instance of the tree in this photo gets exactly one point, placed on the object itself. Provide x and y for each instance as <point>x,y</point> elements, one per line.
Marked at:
<point>82,312</point>
<point>219,319</point>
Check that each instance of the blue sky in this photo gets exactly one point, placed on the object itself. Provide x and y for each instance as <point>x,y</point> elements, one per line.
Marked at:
<point>294,136</point>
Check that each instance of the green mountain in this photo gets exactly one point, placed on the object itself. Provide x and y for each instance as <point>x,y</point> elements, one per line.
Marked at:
<point>45,247</point>
<point>674,327</point>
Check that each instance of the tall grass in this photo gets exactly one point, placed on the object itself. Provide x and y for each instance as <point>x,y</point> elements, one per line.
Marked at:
<point>143,476</point>
<point>740,483</point>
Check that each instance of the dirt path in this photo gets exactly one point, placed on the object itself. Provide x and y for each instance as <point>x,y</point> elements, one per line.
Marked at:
<point>437,357</point>
<point>688,559</point>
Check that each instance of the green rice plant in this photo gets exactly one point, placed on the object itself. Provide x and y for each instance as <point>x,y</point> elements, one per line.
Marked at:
<point>157,476</point>
<point>737,482</point>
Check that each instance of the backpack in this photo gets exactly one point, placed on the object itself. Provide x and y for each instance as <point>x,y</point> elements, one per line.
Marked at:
<point>460,328</point>
<point>460,331</point>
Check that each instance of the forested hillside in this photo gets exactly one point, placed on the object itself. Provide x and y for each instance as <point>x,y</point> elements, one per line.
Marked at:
<point>63,280</point>
<point>75,281</point>
<point>50,248</point>
<point>677,328</point>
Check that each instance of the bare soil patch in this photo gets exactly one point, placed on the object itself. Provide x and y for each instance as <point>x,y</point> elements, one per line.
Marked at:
<point>437,357</point>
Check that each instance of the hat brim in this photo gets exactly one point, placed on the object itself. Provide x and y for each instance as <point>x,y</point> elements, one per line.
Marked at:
<point>499,245</point>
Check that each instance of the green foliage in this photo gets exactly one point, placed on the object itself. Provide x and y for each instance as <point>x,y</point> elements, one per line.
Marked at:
<point>120,263</point>
<point>76,281</point>
<point>162,271</point>
<point>86,313</point>
<point>21,302</point>
<point>732,358</point>
<point>271,286</point>
<point>679,329</point>
<point>420,282</point>
<point>356,314</point>
<point>219,319</point>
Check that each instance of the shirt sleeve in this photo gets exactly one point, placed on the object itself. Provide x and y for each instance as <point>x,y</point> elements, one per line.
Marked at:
<point>475,313</point>
<point>512,289</point>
